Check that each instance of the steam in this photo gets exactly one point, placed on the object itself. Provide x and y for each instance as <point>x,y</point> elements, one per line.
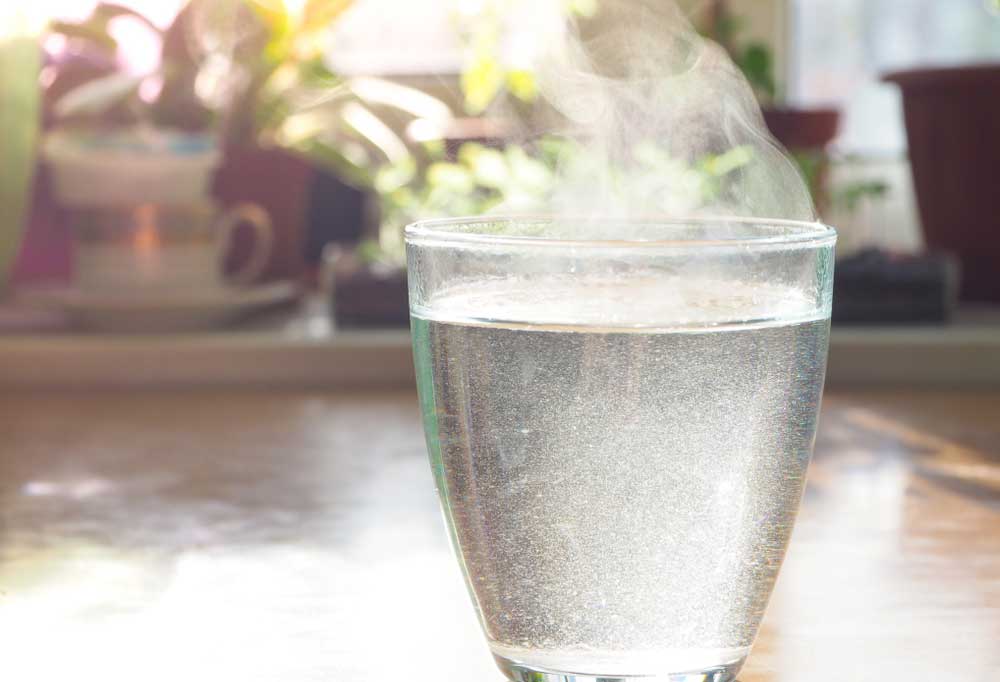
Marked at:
<point>661,123</point>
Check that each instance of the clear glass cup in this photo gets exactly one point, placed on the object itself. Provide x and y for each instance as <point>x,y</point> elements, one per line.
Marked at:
<point>619,416</point>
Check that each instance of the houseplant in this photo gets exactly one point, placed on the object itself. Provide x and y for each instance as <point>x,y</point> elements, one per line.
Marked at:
<point>370,284</point>
<point>804,131</point>
<point>458,170</point>
<point>110,144</point>
<point>250,75</point>
<point>521,179</point>
<point>953,130</point>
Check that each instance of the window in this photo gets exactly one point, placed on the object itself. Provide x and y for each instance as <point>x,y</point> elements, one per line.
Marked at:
<point>396,37</point>
<point>408,37</point>
<point>841,47</point>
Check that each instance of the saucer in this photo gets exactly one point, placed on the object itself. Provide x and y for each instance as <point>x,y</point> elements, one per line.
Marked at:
<point>162,311</point>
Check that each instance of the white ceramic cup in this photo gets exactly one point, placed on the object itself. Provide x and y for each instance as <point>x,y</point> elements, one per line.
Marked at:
<point>155,249</point>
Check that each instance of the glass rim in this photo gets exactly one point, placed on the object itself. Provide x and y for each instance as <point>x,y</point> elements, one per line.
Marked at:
<point>799,233</point>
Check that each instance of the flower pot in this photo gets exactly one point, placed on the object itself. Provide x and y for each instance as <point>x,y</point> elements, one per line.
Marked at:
<point>799,129</point>
<point>366,295</point>
<point>280,182</point>
<point>806,133</point>
<point>953,130</point>
<point>878,287</point>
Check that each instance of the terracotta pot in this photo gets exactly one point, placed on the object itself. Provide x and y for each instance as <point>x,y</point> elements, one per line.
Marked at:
<point>366,295</point>
<point>807,133</point>
<point>953,129</point>
<point>280,182</point>
<point>802,128</point>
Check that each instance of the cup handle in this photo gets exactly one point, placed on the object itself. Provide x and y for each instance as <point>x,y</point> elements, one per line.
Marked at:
<point>263,244</point>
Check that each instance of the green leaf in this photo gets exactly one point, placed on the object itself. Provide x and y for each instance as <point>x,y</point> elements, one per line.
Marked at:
<point>553,151</point>
<point>521,83</point>
<point>810,163</point>
<point>468,152</point>
<point>450,177</point>
<point>416,103</point>
<point>481,82</point>
<point>97,96</point>
<point>348,164</point>
<point>851,196</point>
<point>583,8</point>
<point>96,34</point>
<point>369,251</point>
<point>434,149</point>
<point>317,15</point>
<point>721,164</point>
<point>314,73</point>
<point>20,63</point>
<point>728,27</point>
<point>94,29</point>
<point>370,128</point>
<point>488,166</point>
<point>274,15</point>
<point>106,11</point>
<point>529,173</point>
<point>757,65</point>
<point>395,176</point>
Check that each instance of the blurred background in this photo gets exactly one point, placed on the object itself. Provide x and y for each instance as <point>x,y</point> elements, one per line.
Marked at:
<point>212,461</point>
<point>223,183</point>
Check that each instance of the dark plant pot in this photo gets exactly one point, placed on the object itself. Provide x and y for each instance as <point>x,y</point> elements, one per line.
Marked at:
<point>338,214</point>
<point>802,129</point>
<point>877,287</point>
<point>953,129</point>
<point>369,296</point>
<point>280,182</point>
<point>807,133</point>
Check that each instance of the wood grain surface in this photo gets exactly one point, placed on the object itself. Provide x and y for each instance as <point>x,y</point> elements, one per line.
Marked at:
<point>296,536</point>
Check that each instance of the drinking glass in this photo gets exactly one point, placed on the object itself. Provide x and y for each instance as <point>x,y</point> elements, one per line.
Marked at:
<point>619,415</point>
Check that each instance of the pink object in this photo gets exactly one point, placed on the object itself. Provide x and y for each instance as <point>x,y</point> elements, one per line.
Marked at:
<point>46,253</point>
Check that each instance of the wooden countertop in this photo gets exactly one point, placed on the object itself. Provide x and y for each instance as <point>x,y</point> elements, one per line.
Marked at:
<point>295,536</point>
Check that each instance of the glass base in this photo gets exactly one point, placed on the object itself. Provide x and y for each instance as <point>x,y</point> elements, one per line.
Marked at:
<point>519,672</point>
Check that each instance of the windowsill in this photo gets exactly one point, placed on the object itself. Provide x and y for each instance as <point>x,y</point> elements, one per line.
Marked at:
<point>302,350</point>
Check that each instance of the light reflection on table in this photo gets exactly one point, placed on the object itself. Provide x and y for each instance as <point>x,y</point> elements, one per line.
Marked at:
<point>295,536</point>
